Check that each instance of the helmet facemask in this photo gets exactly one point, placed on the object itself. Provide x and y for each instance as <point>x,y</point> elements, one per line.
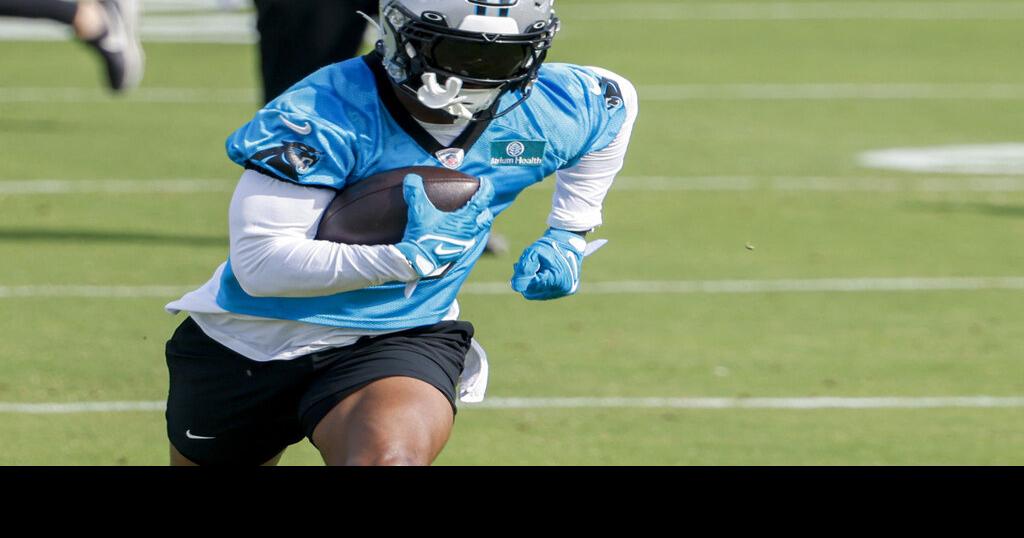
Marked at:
<point>464,73</point>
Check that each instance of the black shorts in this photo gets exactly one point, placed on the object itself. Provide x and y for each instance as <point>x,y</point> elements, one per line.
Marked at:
<point>223,408</point>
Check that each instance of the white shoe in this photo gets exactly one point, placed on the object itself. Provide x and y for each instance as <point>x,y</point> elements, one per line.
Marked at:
<point>120,46</point>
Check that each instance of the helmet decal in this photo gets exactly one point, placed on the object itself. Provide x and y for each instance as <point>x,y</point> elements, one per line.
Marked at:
<point>494,3</point>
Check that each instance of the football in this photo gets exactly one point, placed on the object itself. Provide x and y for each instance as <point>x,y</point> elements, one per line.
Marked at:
<point>372,211</point>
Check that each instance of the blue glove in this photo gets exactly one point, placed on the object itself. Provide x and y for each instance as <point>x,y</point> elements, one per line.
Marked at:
<point>550,267</point>
<point>435,238</point>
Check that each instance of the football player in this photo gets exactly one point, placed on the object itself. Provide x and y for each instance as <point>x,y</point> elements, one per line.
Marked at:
<point>296,337</point>
<point>108,26</point>
<point>298,37</point>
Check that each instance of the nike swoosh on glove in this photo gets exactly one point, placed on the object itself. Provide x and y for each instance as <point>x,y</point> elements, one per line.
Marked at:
<point>435,238</point>
<point>550,267</point>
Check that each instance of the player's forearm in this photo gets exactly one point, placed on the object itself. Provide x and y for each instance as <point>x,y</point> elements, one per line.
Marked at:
<point>580,192</point>
<point>281,267</point>
<point>273,253</point>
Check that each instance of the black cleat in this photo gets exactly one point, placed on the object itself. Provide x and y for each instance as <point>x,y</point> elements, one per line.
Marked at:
<point>120,46</point>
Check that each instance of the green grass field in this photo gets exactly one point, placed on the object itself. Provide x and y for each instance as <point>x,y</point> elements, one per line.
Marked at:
<point>56,124</point>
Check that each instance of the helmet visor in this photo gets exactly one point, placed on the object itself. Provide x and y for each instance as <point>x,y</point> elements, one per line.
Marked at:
<point>481,60</point>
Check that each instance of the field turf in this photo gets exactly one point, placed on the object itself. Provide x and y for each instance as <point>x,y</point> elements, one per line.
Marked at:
<point>57,124</point>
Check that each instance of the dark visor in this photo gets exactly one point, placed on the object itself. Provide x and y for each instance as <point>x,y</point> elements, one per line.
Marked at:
<point>473,59</point>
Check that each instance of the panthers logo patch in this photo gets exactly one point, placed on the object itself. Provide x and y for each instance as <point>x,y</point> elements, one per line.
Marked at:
<point>612,93</point>
<point>291,159</point>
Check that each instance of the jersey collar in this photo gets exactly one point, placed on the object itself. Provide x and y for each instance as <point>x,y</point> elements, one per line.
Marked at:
<point>465,141</point>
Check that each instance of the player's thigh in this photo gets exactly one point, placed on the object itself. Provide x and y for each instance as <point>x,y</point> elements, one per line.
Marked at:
<point>391,421</point>
<point>224,409</point>
<point>389,395</point>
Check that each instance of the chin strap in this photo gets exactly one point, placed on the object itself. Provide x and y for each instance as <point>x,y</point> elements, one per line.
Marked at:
<point>373,21</point>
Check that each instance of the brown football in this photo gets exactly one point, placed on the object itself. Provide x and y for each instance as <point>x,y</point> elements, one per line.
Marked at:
<point>373,211</point>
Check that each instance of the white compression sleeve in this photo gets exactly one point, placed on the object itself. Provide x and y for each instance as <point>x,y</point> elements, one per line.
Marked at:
<point>273,254</point>
<point>580,190</point>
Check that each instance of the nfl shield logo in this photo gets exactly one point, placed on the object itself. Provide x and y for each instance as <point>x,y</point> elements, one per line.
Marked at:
<point>451,158</point>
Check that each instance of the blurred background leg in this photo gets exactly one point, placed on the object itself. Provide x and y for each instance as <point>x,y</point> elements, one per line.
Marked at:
<point>108,26</point>
<point>57,10</point>
<point>297,37</point>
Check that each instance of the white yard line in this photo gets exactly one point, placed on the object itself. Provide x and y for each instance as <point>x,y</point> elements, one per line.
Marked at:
<point>830,91</point>
<point>157,6</point>
<point>648,93</point>
<point>895,402</point>
<point>951,184</point>
<point>809,403</point>
<point>96,292</point>
<point>199,22</point>
<point>113,186</point>
<point>821,184</point>
<point>820,285</point>
<point>242,96</point>
<point>632,287</point>
<point>79,407</point>
<point>206,27</point>
<point>655,12</point>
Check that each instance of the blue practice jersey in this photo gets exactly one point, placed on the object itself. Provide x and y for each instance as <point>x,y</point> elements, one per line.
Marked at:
<point>344,123</point>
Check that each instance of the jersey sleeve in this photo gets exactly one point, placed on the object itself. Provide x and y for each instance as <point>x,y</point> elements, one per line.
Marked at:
<point>581,185</point>
<point>275,253</point>
<point>596,103</point>
<point>290,141</point>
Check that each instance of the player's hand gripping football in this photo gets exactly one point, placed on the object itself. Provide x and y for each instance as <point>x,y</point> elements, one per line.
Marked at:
<point>550,267</point>
<point>435,238</point>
